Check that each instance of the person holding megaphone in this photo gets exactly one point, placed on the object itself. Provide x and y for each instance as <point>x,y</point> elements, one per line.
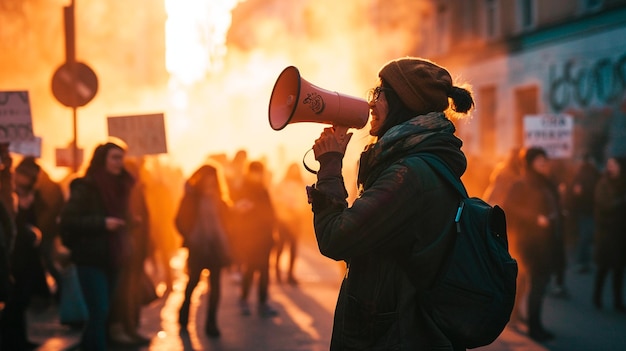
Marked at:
<point>403,206</point>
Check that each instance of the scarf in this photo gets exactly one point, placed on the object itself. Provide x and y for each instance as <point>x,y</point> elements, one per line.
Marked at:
<point>115,192</point>
<point>404,139</point>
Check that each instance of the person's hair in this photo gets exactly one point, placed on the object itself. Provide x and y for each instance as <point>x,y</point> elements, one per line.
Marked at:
<point>99,158</point>
<point>28,166</point>
<point>462,100</point>
<point>211,168</point>
<point>398,113</point>
<point>530,154</point>
<point>256,166</point>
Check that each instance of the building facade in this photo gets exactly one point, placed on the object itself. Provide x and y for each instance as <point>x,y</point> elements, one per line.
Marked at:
<point>531,57</point>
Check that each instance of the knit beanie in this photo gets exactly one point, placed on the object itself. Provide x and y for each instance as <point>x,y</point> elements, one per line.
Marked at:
<point>420,84</point>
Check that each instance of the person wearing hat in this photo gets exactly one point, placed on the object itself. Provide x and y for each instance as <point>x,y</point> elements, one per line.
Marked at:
<point>403,206</point>
<point>535,224</point>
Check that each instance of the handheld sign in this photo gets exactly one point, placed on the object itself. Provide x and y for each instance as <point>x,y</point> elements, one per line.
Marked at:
<point>144,134</point>
<point>15,119</point>
<point>552,132</point>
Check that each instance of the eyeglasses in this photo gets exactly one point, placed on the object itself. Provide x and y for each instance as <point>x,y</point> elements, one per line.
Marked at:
<point>374,94</point>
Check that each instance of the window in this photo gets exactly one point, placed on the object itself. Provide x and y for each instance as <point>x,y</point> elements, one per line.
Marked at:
<point>443,29</point>
<point>526,14</point>
<point>491,19</point>
<point>526,103</point>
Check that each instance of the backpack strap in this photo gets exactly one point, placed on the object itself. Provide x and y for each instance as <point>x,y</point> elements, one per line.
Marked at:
<point>443,170</point>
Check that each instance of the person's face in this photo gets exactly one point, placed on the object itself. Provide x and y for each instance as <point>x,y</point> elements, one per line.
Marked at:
<point>114,163</point>
<point>378,109</point>
<point>612,168</point>
<point>256,176</point>
<point>541,165</point>
<point>23,184</point>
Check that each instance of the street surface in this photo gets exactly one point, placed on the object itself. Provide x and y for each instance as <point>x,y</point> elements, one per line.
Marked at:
<point>304,321</point>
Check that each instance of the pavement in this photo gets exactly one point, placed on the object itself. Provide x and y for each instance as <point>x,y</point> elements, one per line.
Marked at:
<point>304,320</point>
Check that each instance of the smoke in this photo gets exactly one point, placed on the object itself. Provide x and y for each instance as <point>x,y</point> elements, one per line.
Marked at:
<point>337,45</point>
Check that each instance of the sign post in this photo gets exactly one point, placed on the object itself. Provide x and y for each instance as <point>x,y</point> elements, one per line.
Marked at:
<point>74,83</point>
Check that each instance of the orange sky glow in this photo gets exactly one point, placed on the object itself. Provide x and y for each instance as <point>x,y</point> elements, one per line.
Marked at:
<point>219,58</point>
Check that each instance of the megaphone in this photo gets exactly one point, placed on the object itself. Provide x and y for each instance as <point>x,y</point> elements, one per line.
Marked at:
<point>295,100</point>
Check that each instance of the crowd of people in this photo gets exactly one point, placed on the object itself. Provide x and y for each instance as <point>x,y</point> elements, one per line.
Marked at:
<point>558,219</point>
<point>90,244</point>
<point>98,246</point>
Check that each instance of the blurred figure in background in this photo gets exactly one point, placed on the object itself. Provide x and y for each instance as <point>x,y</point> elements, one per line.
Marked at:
<point>257,218</point>
<point>6,239</point>
<point>502,177</point>
<point>25,267</point>
<point>135,288</point>
<point>95,226</point>
<point>536,225</point>
<point>235,174</point>
<point>40,200</point>
<point>610,234</point>
<point>293,214</point>
<point>581,202</point>
<point>163,193</point>
<point>203,220</point>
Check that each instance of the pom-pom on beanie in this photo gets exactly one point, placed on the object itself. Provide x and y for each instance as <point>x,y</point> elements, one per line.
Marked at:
<point>420,84</point>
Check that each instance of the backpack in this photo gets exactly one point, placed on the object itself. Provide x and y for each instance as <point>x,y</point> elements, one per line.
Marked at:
<point>473,294</point>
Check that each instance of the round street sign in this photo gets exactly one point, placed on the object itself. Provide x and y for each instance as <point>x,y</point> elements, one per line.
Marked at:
<point>74,85</point>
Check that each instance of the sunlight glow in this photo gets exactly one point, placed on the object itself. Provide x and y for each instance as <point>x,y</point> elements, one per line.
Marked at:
<point>195,37</point>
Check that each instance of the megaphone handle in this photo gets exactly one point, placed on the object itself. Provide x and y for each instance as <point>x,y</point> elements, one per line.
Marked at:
<point>340,134</point>
<point>304,162</point>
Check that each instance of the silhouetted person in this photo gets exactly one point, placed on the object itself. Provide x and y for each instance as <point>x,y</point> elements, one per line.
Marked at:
<point>41,199</point>
<point>95,223</point>
<point>293,214</point>
<point>502,177</point>
<point>534,218</point>
<point>255,214</point>
<point>610,234</point>
<point>132,292</point>
<point>235,174</point>
<point>402,208</point>
<point>581,203</point>
<point>203,220</point>
<point>25,268</point>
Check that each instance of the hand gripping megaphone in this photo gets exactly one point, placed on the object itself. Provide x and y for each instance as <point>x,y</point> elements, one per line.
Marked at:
<point>295,100</point>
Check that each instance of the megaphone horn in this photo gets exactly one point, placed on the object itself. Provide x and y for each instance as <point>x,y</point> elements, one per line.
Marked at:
<point>295,100</point>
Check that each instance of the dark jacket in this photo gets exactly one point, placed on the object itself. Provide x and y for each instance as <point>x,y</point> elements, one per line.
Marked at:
<point>186,221</point>
<point>535,246</point>
<point>83,227</point>
<point>255,225</point>
<point>610,223</point>
<point>7,236</point>
<point>586,178</point>
<point>403,207</point>
<point>49,201</point>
